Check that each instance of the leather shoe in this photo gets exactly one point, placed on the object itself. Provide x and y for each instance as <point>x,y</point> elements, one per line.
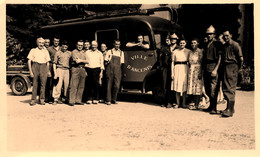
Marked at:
<point>113,102</point>
<point>55,103</point>
<point>42,102</point>
<point>162,105</point>
<point>184,106</point>
<point>213,112</point>
<point>79,103</point>
<point>175,106</point>
<point>88,102</point>
<point>32,103</point>
<point>169,105</point>
<point>95,102</point>
<point>227,114</point>
<point>71,104</point>
<point>223,111</point>
<point>207,109</point>
<point>108,103</point>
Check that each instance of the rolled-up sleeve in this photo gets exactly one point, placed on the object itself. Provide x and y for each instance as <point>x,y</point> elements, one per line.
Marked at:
<point>238,50</point>
<point>122,58</point>
<point>47,56</point>
<point>31,55</point>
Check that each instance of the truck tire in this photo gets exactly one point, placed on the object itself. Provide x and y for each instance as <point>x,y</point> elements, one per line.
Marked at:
<point>18,86</point>
<point>158,93</point>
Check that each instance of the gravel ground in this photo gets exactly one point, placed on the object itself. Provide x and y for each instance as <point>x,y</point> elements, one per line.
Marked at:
<point>136,123</point>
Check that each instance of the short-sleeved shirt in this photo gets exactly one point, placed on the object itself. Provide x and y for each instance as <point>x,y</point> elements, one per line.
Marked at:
<point>95,59</point>
<point>80,55</point>
<point>62,59</point>
<point>39,55</point>
<point>114,52</point>
<point>232,52</point>
<point>212,52</point>
<point>52,50</point>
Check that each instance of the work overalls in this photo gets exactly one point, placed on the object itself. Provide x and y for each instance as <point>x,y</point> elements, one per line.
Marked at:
<point>113,74</point>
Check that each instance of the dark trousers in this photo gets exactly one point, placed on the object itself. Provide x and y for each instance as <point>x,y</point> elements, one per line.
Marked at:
<point>39,71</point>
<point>229,84</point>
<point>77,83</point>
<point>212,85</point>
<point>93,83</point>
<point>113,74</point>
<point>170,96</point>
<point>49,89</point>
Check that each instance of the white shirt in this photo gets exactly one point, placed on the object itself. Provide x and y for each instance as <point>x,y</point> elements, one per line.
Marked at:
<point>39,55</point>
<point>117,53</point>
<point>95,59</point>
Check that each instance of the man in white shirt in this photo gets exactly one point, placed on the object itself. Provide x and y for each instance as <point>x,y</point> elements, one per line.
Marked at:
<point>94,69</point>
<point>114,59</point>
<point>38,63</point>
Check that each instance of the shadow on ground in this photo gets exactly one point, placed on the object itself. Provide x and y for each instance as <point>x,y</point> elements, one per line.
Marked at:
<point>12,94</point>
<point>137,97</point>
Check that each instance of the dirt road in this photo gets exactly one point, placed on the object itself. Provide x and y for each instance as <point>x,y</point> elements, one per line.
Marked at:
<point>136,123</point>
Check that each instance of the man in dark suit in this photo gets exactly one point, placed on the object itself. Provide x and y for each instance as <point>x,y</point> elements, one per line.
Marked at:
<point>165,63</point>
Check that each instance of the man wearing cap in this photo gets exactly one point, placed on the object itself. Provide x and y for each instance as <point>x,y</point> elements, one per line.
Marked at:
<point>167,51</point>
<point>61,72</point>
<point>211,60</point>
<point>232,61</point>
<point>78,74</point>
<point>38,63</point>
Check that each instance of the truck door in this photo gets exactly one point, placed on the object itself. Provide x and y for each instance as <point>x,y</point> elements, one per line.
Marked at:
<point>138,61</point>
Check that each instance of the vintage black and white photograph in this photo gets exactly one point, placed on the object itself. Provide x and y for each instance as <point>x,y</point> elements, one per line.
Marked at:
<point>130,77</point>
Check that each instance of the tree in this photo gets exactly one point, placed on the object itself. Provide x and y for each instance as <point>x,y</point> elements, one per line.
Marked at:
<point>23,21</point>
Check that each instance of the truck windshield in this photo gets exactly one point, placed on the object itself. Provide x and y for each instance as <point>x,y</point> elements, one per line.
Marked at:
<point>138,35</point>
<point>160,38</point>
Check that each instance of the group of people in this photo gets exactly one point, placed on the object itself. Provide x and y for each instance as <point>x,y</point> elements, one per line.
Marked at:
<point>97,74</point>
<point>84,71</point>
<point>198,72</point>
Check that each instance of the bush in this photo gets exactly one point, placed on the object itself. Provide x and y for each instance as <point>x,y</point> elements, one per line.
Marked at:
<point>246,78</point>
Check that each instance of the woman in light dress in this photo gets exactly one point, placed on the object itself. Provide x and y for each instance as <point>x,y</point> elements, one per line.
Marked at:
<point>195,84</point>
<point>179,72</point>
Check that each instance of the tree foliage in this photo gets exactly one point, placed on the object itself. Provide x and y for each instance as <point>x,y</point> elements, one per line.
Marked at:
<point>23,21</point>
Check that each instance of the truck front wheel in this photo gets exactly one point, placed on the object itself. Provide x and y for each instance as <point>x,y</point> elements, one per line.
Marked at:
<point>18,86</point>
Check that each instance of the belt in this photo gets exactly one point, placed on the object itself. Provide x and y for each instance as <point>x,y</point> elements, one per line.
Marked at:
<point>38,63</point>
<point>79,67</point>
<point>63,68</point>
<point>230,62</point>
<point>210,61</point>
<point>180,62</point>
